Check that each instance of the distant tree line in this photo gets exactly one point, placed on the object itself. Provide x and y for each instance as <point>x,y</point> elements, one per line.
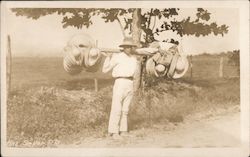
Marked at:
<point>233,57</point>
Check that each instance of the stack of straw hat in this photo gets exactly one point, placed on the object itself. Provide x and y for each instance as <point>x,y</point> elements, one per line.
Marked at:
<point>80,53</point>
<point>167,62</point>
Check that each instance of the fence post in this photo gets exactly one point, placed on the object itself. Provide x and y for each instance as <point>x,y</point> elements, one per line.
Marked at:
<point>221,67</point>
<point>191,66</point>
<point>95,79</point>
<point>96,84</point>
<point>8,67</point>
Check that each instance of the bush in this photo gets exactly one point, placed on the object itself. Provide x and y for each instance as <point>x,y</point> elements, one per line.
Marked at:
<point>45,117</point>
<point>48,115</point>
<point>172,101</point>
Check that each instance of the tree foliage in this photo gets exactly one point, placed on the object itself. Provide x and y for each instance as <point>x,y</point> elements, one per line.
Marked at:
<point>234,58</point>
<point>165,18</point>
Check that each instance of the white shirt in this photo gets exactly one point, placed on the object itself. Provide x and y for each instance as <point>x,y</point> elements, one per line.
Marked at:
<point>122,65</point>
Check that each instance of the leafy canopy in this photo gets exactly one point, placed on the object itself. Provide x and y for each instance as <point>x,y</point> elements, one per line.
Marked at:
<point>165,18</point>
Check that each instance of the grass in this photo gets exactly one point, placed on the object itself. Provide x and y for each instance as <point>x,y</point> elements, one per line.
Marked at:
<point>35,72</point>
<point>48,107</point>
<point>208,67</point>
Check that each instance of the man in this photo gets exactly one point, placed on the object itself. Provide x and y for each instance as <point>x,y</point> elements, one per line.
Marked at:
<point>124,66</point>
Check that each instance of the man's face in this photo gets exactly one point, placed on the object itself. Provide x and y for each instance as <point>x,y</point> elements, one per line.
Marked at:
<point>128,50</point>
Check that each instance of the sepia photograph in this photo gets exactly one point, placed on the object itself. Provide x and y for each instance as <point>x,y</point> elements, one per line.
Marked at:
<point>135,78</point>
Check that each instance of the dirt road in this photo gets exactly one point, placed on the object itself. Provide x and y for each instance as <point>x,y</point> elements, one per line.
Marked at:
<point>220,129</point>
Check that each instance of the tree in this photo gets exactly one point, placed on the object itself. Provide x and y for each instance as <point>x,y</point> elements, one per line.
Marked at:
<point>136,29</point>
<point>234,59</point>
<point>82,17</point>
<point>143,25</point>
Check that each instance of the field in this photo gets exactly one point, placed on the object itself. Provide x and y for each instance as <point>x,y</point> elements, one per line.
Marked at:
<point>36,72</point>
<point>48,107</point>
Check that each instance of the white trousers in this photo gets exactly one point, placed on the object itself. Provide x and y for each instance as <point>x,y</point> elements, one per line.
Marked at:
<point>122,96</point>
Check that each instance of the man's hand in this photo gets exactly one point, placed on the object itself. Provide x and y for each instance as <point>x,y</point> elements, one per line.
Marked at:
<point>106,54</point>
<point>146,51</point>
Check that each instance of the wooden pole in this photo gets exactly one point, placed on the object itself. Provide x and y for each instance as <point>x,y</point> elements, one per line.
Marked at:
<point>191,66</point>
<point>8,67</point>
<point>221,67</point>
<point>96,84</point>
<point>95,79</point>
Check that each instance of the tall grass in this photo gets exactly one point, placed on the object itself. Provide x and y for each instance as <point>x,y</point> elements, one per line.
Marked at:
<point>47,116</point>
<point>48,107</point>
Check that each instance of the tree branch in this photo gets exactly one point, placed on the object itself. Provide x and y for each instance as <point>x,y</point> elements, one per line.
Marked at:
<point>149,21</point>
<point>122,29</point>
<point>154,23</point>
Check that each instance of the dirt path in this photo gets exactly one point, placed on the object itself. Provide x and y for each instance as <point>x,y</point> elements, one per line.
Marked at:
<point>222,130</point>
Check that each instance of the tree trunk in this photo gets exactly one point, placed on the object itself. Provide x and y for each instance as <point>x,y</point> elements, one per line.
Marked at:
<point>122,29</point>
<point>136,34</point>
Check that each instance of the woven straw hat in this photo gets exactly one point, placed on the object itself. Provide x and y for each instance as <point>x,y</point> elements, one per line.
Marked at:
<point>181,67</point>
<point>177,68</point>
<point>128,41</point>
<point>92,57</point>
<point>70,65</point>
<point>80,40</point>
<point>150,67</point>
<point>80,53</point>
<point>84,42</point>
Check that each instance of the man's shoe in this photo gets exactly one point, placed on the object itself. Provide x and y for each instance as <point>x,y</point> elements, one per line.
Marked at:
<point>116,137</point>
<point>125,134</point>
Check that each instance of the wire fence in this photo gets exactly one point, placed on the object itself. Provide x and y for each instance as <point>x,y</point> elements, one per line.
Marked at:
<point>211,66</point>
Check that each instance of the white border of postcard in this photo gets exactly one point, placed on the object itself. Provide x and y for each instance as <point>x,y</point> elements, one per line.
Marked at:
<point>242,150</point>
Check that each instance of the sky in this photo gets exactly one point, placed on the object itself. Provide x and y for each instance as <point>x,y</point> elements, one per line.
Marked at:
<point>46,36</point>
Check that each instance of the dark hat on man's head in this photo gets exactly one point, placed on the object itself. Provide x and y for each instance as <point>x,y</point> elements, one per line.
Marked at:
<point>128,41</point>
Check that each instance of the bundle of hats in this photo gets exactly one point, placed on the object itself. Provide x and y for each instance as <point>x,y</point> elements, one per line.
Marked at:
<point>80,53</point>
<point>167,61</point>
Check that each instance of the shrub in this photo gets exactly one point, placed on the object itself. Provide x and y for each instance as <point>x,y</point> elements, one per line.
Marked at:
<point>45,117</point>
